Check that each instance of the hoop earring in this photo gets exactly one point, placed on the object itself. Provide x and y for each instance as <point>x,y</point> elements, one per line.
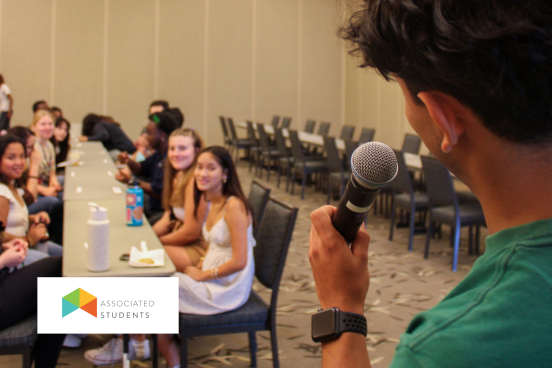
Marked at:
<point>224,180</point>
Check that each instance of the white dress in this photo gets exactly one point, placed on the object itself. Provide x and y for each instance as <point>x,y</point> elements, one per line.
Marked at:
<point>226,293</point>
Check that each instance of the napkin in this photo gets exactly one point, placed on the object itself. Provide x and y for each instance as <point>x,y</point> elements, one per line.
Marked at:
<point>157,255</point>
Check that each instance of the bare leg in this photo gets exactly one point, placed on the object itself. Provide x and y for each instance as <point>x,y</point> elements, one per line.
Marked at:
<point>169,349</point>
<point>178,256</point>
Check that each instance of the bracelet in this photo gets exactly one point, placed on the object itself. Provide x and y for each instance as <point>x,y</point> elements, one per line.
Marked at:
<point>33,177</point>
<point>214,273</point>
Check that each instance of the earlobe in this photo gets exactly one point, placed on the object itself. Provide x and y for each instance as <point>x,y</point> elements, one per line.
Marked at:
<point>444,112</point>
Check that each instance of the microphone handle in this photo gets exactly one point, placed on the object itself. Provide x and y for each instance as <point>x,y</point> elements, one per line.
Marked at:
<point>353,209</point>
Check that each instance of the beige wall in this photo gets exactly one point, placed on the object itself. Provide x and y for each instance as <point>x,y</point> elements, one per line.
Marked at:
<point>249,59</point>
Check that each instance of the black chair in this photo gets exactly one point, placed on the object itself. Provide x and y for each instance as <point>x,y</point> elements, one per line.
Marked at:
<point>227,139</point>
<point>350,147</point>
<point>273,238</point>
<point>285,160</point>
<point>238,143</point>
<point>366,135</point>
<point>309,126</point>
<point>255,149</point>
<point>286,123</point>
<point>411,144</point>
<point>324,128</point>
<point>405,198</point>
<point>347,132</point>
<point>258,198</point>
<point>301,165</point>
<point>444,207</point>
<point>335,164</point>
<point>19,339</point>
<point>268,153</point>
<point>275,121</point>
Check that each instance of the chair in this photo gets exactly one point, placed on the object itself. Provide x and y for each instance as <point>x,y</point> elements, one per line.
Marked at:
<point>267,152</point>
<point>347,132</point>
<point>335,164</point>
<point>324,128</point>
<point>19,339</point>
<point>286,123</point>
<point>309,126</point>
<point>273,238</point>
<point>301,165</point>
<point>366,135</point>
<point>275,121</point>
<point>404,197</point>
<point>284,159</point>
<point>444,207</point>
<point>350,147</point>
<point>258,198</point>
<point>238,143</point>
<point>411,144</point>
<point>227,139</point>
<point>255,150</point>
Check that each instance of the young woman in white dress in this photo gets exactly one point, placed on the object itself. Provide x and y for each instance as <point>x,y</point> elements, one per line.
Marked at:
<point>222,282</point>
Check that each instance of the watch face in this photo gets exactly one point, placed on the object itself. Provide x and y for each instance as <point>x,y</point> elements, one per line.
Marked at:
<point>323,324</point>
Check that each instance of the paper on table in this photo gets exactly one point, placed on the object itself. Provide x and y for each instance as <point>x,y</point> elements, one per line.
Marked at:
<point>157,256</point>
<point>117,190</point>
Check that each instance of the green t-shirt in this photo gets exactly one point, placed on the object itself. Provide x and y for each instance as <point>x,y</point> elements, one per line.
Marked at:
<point>500,315</point>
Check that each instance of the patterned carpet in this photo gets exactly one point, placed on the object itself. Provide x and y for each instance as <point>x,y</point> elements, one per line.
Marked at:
<point>402,284</point>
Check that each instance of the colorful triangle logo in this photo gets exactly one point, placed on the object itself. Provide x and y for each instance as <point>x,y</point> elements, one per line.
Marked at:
<point>79,298</point>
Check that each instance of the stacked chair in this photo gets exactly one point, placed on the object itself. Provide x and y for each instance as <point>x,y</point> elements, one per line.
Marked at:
<point>268,153</point>
<point>347,132</point>
<point>275,121</point>
<point>338,175</point>
<point>303,167</point>
<point>286,123</point>
<point>226,136</point>
<point>366,135</point>
<point>238,143</point>
<point>309,126</point>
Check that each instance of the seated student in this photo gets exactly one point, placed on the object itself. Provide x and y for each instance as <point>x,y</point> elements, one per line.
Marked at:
<point>222,282</point>
<point>178,115</point>
<point>158,106</point>
<point>178,232</point>
<point>106,130</point>
<point>56,111</point>
<point>13,210</point>
<point>19,296</point>
<point>159,128</point>
<point>43,127</point>
<point>40,105</point>
<point>60,140</point>
<point>29,179</point>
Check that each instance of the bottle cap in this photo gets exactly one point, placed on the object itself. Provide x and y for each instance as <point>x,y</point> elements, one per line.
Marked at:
<point>97,213</point>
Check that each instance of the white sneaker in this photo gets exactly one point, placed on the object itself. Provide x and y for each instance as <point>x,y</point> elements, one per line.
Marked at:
<point>72,341</point>
<point>112,352</point>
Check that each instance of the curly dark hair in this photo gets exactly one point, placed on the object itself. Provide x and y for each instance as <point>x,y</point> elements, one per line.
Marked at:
<point>493,56</point>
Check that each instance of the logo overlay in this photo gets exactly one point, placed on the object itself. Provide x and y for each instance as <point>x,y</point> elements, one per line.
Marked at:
<point>106,305</point>
<point>79,299</point>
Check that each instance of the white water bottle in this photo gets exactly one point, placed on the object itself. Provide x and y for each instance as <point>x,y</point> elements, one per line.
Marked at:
<point>98,239</point>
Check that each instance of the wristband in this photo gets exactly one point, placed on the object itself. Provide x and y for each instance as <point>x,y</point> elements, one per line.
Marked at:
<point>329,324</point>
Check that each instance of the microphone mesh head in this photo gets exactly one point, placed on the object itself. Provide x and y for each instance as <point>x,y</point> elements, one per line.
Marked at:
<point>374,164</point>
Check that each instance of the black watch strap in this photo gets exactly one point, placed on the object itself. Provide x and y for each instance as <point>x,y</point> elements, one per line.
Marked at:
<point>352,322</point>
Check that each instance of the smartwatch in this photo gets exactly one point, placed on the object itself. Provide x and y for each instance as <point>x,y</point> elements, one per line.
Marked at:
<point>329,324</point>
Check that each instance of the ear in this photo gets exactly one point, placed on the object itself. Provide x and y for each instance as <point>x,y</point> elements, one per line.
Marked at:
<point>447,113</point>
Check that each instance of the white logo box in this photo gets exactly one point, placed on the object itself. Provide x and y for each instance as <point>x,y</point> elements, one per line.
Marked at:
<point>124,305</point>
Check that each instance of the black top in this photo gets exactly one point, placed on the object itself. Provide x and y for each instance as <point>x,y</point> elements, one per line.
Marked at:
<point>152,170</point>
<point>112,137</point>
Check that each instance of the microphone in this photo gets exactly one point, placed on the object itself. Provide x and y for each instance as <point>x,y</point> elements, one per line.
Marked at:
<point>373,165</point>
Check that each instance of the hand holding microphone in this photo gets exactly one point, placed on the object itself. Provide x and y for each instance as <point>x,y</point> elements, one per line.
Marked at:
<point>373,165</point>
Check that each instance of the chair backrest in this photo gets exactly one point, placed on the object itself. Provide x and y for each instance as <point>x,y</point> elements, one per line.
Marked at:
<point>281,142</point>
<point>273,238</point>
<point>224,128</point>
<point>263,137</point>
<point>332,155</point>
<point>411,144</point>
<point>286,122</point>
<point>402,182</point>
<point>347,132</point>
<point>275,121</point>
<point>258,198</point>
<point>324,128</point>
<point>367,135</point>
<point>309,126</point>
<point>251,134</point>
<point>296,148</point>
<point>440,188</point>
<point>350,147</point>
<point>234,136</point>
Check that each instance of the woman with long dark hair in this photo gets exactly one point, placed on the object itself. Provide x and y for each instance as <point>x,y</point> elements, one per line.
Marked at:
<point>222,282</point>
<point>60,139</point>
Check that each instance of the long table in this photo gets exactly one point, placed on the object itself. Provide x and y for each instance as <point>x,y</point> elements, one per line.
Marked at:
<point>96,180</point>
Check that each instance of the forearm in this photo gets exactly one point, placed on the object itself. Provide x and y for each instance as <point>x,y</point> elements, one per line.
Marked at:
<point>148,190</point>
<point>134,167</point>
<point>9,237</point>
<point>349,350</point>
<point>32,185</point>
<point>226,269</point>
<point>161,227</point>
<point>42,190</point>
<point>181,236</point>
